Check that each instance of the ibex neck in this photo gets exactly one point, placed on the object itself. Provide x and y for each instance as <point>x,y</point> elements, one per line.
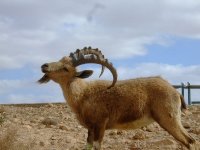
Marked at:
<point>73,92</point>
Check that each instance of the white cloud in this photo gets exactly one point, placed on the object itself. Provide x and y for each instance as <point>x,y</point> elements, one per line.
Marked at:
<point>33,31</point>
<point>28,91</point>
<point>7,86</point>
<point>175,74</point>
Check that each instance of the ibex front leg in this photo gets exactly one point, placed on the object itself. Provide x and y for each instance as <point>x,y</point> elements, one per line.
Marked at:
<point>90,139</point>
<point>99,130</point>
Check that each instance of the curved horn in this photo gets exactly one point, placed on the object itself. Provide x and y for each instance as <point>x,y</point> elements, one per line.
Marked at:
<point>89,55</point>
<point>88,51</point>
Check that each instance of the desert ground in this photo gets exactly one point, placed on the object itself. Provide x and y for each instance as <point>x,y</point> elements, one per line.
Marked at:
<point>54,127</point>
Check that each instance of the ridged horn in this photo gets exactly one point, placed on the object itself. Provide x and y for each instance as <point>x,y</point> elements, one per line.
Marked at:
<point>90,55</point>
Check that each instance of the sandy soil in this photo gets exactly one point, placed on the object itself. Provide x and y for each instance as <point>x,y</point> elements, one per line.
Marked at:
<point>54,127</point>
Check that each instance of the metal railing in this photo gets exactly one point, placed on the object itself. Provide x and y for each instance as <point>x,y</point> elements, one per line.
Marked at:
<point>189,87</point>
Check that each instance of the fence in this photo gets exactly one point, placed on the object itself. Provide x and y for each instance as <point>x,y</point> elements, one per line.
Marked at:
<point>189,87</point>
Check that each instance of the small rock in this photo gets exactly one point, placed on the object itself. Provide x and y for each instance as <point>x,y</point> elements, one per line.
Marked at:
<point>113,132</point>
<point>143,128</point>
<point>27,127</point>
<point>134,147</point>
<point>149,129</point>
<point>14,116</point>
<point>40,118</point>
<point>186,125</point>
<point>79,127</point>
<point>119,132</point>
<point>33,121</point>
<point>139,136</point>
<point>2,110</point>
<point>164,142</point>
<point>49,121</point>
<point>41,126</point>
<point>16,120</point>
<point>42,143</point>
<point>186,112</point>
<point>53,138</point>
<point>25,122</point>
<point>52,142</point>
<point>63,127</point>
<point>196,131</point>
<point>49,105</point>
<point>75,147</point>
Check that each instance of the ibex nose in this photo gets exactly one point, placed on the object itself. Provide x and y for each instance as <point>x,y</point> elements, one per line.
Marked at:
<point>44,68</point>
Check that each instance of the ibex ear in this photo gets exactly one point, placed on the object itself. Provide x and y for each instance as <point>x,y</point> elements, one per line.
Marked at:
<point>84,74</point>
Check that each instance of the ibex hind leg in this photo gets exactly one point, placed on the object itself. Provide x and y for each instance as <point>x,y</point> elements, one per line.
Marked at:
<point>171,122</point>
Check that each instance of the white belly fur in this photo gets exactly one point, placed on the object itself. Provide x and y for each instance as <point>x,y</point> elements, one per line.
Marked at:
<point>144,121</point>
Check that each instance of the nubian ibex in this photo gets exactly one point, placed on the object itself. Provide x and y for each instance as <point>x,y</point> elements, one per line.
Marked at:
<point>127,104</point>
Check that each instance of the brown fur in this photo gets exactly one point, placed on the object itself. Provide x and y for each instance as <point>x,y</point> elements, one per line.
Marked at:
<point>129,104</point>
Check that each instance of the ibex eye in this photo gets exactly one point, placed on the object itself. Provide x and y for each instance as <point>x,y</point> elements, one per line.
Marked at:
<point>65,69</point>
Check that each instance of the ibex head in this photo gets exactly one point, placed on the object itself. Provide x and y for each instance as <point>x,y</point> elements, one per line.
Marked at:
<point>65,69</point>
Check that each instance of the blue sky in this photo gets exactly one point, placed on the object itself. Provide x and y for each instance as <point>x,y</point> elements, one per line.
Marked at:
<point>182,51</point>
<point>141,38</point>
